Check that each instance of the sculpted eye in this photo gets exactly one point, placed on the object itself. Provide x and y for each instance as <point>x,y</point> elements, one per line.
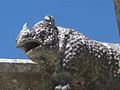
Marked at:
<point>26,35</point>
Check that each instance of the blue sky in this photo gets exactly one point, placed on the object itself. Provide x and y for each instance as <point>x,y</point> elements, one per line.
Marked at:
<point>94,18</point>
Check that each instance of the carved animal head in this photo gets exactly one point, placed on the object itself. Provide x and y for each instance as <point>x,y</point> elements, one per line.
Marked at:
<point>43,33</point>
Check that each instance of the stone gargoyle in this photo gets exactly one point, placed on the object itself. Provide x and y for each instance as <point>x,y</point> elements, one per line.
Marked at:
<point>68,59</point>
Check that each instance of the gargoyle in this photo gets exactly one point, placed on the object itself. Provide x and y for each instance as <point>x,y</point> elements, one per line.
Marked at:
<point>68,59</point>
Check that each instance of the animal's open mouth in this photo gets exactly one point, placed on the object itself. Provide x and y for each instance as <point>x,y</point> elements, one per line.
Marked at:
<point>29,45</point>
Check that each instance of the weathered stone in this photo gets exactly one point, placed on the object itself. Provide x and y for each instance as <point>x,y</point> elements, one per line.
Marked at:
<point>18,74</point>
<point>67,58</point>
<point>117,8</point>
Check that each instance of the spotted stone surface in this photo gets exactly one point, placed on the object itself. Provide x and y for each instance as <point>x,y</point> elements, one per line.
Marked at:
<point>70,58</point>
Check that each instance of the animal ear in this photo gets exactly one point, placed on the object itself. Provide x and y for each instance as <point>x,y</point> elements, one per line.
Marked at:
<point>49,19</point>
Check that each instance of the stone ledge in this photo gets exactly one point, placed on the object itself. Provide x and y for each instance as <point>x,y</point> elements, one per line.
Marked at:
<point>20,74</point>
<point>3,60</point>
<point>18,66</point>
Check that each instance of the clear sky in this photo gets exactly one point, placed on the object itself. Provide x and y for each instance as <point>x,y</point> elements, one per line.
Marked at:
<point>94,18</point>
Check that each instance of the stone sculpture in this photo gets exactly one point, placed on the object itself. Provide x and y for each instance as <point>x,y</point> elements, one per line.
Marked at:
<point>68,59</point>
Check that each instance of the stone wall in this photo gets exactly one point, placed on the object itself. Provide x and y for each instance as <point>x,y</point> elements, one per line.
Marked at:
<point>20,74</point>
